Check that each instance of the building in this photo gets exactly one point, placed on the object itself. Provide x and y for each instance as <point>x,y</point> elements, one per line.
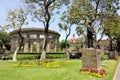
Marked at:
<point>33,40</point>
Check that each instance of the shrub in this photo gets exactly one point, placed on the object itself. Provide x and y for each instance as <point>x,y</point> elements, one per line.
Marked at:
<point>104,57</point>
<point>33,56</point>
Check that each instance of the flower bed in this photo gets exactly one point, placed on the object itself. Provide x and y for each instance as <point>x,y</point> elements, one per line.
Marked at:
<point>94,72</point>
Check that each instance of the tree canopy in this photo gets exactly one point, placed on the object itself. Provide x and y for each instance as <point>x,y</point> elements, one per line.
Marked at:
<point>94,11</point>
<point>42,11</point>
<point>4,39</point>
<point>112,26</point>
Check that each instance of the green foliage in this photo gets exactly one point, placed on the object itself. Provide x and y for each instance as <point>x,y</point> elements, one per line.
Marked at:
<point>112,26</point>
<point>34,56</point>
<point>62,44</point>
<point>56,55</point>
<point>104,57</point>
<point>95,11</point>
<point>43,11</point>
<point>79,30</point>
<point>66,24</point>
<point>16,18</point>
<point>5,39</point>
<point>77,47</point>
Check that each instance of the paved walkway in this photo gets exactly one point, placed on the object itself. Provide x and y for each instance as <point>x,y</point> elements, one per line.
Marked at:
<point>117,74</point>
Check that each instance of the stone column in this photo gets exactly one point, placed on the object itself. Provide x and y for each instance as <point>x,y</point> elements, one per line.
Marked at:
<point>38,43</point>
<point>26,47</point>
<point>26,43</point>
<point>31,47</point>
<point>48,46</point>
<point>56,44</point>
<point>13,44</point>
<point>38,47</point>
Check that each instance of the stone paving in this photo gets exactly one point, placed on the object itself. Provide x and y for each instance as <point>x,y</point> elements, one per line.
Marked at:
<point>117,74</point>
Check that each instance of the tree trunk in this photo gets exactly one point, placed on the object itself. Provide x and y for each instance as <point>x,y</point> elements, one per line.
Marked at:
<point>15,54</point>
<point>66,47</point>
<point>67,52</point>
<point>43,54</point>
<point>111,45</point>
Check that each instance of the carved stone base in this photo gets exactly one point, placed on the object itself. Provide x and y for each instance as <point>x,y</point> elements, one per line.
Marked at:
<point>91,58</point>
<point>112,54</point>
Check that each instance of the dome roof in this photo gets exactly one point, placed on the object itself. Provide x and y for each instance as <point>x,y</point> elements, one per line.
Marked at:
<point>26,30</point>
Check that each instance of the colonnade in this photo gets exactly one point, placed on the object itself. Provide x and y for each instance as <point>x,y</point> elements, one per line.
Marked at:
<point>33,41</point>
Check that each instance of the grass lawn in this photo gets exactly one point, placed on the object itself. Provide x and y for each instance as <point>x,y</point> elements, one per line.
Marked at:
<point>67,70</point>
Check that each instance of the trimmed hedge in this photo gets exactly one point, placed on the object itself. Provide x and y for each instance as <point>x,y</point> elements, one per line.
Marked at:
<point>33,56</point>
<point>40,53</point>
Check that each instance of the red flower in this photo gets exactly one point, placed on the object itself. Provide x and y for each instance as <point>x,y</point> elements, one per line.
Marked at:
<point>102,71</point>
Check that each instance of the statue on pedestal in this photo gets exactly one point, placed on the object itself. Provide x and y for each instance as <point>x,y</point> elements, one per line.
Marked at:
<point>90,35</point>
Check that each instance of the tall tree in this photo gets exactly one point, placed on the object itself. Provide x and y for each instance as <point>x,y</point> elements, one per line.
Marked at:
<point>66,24</point>
<point>17,18</point>
<point>67,21</point>
<point>93,11</point>
<point>4,39</point>
<point>42,11</point>
<point>112,28</point>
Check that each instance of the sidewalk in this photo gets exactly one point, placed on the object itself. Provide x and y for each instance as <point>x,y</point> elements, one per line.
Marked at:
<point>117,73</point>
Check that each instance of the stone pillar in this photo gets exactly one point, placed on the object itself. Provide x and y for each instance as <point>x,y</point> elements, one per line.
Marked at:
<point>38,47</point>
<point>38,43</point>
<point>16,42</point>
<point>31,47</point>
<point>13,44</point>
<point>26,47</point>
<point>48,46</point>
<point>27,42</point>
<point>38,36</point>
<point>56,45</point>
<point>91,58</point>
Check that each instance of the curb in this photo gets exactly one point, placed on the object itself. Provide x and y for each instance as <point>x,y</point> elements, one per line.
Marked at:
<point>116,71</point>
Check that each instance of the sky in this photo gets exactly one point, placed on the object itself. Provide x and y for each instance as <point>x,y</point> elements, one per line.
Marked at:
<point>7,5</point>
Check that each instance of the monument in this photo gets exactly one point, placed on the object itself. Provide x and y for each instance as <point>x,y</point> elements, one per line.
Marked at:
<point>33,40</point>
<point>91,55</point>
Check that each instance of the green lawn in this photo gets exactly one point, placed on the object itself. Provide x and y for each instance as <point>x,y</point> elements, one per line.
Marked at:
<point>68,70</point>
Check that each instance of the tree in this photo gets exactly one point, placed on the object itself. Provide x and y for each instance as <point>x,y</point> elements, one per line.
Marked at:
<point>112,28</point>
<point>112,25</point>
<point>66,24</point>
<point>16,19</point>
<point>80,30</point>
<point>4,39</point>
<point>42,11</point>
<point>67,28</point>
<point>93,11</point>
<point>63,44</point>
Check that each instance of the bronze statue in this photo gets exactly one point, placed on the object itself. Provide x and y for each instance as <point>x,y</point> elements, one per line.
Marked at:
<point>90,35</point>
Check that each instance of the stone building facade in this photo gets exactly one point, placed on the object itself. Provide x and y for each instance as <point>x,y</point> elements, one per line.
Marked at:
<point>33,40</point>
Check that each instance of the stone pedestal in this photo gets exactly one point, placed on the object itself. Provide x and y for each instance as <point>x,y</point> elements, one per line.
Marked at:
<point>91,58</point>
<point>112,54</point>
